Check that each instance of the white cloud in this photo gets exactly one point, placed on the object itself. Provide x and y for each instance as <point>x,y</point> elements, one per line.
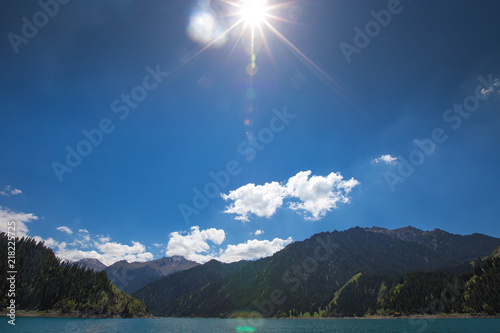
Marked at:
<point>317,195</point>
<point>157,245</point>
<point>387,159</point>
<point>83,231</point>
<point>83,240</point>
<point>194,245</point>
<point>258,232</point>
<point>50,242</point>
<point>103,239</point>
<point>21,219</point>
<point>65,229</point>
<point>8,191</point>
<point>253,249</point>
<point>261,200</point>
<point>106,252</point>
<point>113,252</point>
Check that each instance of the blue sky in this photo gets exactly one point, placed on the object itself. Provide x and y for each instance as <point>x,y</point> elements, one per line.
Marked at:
<point>393,126</point>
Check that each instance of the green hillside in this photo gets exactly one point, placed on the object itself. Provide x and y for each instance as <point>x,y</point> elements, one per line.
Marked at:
<point>476,292</point>
<point>331,274</point>
<point>45,283</point>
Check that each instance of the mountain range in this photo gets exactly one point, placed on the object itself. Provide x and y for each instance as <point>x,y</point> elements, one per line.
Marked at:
<point>129,277</point>
<point>339,273</point>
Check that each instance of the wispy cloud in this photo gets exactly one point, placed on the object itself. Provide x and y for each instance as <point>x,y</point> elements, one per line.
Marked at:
<point>387,159</point>
<point>65,230</point>
<point>8,191</point>
<point>489,90</point>
<point>195,245</point>
<point>313,196</point>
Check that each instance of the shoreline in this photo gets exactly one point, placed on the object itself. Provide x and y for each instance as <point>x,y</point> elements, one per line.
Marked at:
<point>56,314</point>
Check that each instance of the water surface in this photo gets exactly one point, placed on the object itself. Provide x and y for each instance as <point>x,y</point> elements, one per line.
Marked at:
<point>177,325</point>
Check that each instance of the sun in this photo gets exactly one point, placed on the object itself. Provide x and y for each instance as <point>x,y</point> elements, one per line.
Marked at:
<point>251,22</point>
<point>253,12</point>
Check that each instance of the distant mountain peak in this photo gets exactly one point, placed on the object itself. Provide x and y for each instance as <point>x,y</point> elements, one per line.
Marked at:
<point>91,263</point>
<point>179,258</point>
<point>130,277</point>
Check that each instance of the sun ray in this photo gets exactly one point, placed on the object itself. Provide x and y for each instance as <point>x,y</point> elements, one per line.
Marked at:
<point>252,16</point>
<point>266,45</point>
<point>303,56</point>
<point>325,77</point>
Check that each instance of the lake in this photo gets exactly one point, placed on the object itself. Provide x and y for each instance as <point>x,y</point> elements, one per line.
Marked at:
<point>175,325</point>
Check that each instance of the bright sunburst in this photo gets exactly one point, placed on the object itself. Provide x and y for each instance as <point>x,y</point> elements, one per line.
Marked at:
<point>247,21</point>
<point>253,12</point>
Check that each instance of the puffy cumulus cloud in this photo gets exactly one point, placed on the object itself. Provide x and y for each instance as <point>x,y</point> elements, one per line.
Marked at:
<point>194,245</point>
<point>102,249</point>
<point>258,232</point>
<point>261,200</point>
<point>21,219</point>
<point>8,191</point>
<point>253,249</point>
<point>113,252</point>
<point>317,195</point>
<point>387,159</point>
<point>50,242</point>
<point>74,254</point>
<point>65,230</point>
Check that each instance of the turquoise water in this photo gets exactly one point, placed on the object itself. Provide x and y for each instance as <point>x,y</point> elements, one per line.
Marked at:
<point>173,325</point>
